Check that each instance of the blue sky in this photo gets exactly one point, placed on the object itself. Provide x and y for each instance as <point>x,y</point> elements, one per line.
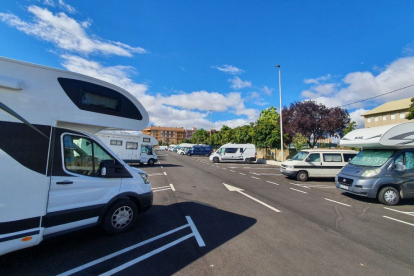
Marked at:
<point>182,59</point>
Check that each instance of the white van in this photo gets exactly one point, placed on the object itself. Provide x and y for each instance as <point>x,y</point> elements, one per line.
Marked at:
<point>133,149</point>
<point>316,163</point>
<point>234,152</point>
<point>56,176</point>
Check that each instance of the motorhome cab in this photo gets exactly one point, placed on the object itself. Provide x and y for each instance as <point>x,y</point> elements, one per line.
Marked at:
<point>384,168</point>
<point>234,152</point>
<point>316,163</point>
<point>56,176</point>
<point>133,149</point>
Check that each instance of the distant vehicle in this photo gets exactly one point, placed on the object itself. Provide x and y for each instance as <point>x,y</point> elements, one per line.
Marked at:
<point>384,168</point>
<point>235,152</point>
<point>162,148</point>
<point>316,163</point>
<point>199,150</point>
<point>182,150</point>
<point>56,175</point>
<point>171,147</point>
<point>133,149</point>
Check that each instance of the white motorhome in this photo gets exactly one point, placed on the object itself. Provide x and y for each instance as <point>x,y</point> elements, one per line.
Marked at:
<point>133,149</point>
<point>56,176</point>
<point>234,152</point>
<point>384,168</point>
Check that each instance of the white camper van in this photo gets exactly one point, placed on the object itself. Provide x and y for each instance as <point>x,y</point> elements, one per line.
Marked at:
<point>384,168</point>
<point>234,152</point>
<point>56,176</point>
<point>133,149</point>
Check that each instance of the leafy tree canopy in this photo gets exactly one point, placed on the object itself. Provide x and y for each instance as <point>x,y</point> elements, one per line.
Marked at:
<point>410,115</point>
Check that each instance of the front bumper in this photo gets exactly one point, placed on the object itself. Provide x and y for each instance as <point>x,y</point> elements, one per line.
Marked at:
<point>288,172</point>
<point>147,200</point>
<point>357,186</point>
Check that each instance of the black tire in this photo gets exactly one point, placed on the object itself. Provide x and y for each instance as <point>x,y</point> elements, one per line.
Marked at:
<point>151,162</point>
<point>302,176</point>
<point>189,154</point>
<point>247,161</point>
<point>120,217</point>
<point>216,160</point>
<point>389,196</point>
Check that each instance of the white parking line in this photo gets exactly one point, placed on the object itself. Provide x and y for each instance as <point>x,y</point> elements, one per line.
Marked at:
<point>190,224</point>
<point>406,213</point>
<point>299,191</point>
<point>172,187</point>
<point>337,202</point>
<point>156,188</point>
<point>224,169</point>
<point>303,186</point>
<point>254,173</point>
<point>272,182</point>
<point>231,170</point>
<point>255,177</point>
<point>242,173</point>
<point>155,174</point>
<point>165,173</point>
<point>399,220</point>
<point>162,190</point>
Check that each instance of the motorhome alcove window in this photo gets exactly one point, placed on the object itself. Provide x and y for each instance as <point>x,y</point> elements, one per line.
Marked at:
<point>332,157</point>
<point>131,145</point>
<point>83,156</point>
<point>99,101</point>
<point>146,140</point>
<point>116,142</point>
<point>372,158</point>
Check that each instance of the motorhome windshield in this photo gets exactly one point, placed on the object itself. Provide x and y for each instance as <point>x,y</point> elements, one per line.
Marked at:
<point>301,155</point>
<point>372,157</point>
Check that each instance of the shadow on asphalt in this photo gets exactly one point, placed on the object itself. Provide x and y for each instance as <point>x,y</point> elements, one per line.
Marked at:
<point>408,201</point>
<point>62,253</point>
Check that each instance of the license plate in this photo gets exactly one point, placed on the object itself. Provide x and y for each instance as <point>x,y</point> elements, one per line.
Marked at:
<point>343,187</point>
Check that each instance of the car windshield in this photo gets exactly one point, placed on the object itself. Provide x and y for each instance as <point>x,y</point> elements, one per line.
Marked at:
<point>301,155</point>
<point>372,157</point>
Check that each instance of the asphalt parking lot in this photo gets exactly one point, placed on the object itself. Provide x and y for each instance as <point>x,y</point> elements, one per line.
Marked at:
<point>235,219</point>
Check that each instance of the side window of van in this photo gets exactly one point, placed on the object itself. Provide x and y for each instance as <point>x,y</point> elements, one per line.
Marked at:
<point>348,156</point>
<point>82,155</point>
<point>241,150</point>
<point>230,150</point>
<point>131,145</point>
<point>332,157</point>
<point>314,157</point>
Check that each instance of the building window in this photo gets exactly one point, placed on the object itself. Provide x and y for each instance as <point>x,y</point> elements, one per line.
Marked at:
<point>376,119</point>
<point>402,115</point>
<point>393,116</point>
<point>369,120</point>
<point>384,117</point>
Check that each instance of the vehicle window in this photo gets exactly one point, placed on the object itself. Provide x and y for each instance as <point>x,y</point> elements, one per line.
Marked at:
<point>230,150</point>
<point>332,157</point>
<point>409,160</point>
<point>300,156</point>
<point>220,150</point>
<point>314,157</point>
<point>372,158</point>
<point>241,150</point>
<point>82,155</point>
<point>116,143</point>
<point>131,145</point>
<point>348,156</point>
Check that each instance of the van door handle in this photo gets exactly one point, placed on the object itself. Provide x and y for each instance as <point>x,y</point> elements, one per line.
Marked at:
<point>66,182</point>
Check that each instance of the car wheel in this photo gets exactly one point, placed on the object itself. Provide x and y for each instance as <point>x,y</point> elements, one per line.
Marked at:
<point>120,217</point>
<point>247,161</point>
<point>216,160</point>
<point>302,176</point>
<point>151,162</point>
<point>189,154</point>
<point>389,196</point>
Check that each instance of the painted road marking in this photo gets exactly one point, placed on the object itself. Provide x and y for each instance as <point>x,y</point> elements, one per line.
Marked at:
<point>190,224</point>
<point>399,220</point>
<point>337,202</point>
<point>172,187</point>
<point>224,169</point>
<point>299,191</point>
<point>162,190</point>
<point>155,174</point>
<point>300,185</point>
<point>254,173</point>
<point>255,177</point>
<point>235,189</point>
<point>406,213</point>
<point>272,182</point>
<point>155,188</point>
<point>242,173</point>
<point>165,173</point>
<point>231,170</point>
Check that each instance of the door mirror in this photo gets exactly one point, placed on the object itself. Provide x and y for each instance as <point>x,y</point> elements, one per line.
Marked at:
<point>307,159</point>
<point>400,167</point>
<point>107,169</point>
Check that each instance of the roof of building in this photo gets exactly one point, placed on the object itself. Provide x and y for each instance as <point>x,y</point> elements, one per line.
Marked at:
<point>390,106</point>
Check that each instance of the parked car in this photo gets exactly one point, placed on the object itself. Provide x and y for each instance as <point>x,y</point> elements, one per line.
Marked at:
<point>199,150</point>
<point>235,152</point>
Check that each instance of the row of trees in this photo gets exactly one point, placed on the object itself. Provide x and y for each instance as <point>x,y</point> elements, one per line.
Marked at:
<point>305,121</point>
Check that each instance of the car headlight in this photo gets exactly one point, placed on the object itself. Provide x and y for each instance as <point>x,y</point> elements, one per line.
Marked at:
<point>371,173</point>
<point>289,166</point>
<point>145,177</point>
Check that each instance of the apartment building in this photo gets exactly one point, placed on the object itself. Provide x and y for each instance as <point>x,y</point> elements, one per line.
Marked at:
<point>390,113</point>
<point>170,135</point>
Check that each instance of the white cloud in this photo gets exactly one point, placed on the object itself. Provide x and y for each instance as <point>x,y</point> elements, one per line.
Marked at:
<point>317,80</point>
<point>229,69</point>
<point>66,33</point>
<point>268,91</point>
<point>359,86</point>
<point>237,83</point>
<point>67,7</point>
<point>356,116</point>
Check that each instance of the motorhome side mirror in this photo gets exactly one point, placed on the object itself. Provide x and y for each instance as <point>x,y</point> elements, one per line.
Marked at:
<point>107,168</point>
<point>400,167</point>
<point>307,159</point>
<point>349,160</point>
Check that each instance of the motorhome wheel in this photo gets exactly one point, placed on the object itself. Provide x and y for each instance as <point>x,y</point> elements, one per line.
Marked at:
<point>120,217</point>
<point>302,176</point>
<point>151,162</point>
<point>216,160</point>
<point>389,196</point>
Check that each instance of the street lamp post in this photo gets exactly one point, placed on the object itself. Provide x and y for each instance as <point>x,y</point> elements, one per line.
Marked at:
<point>280,101</point>
<point>211,122</point>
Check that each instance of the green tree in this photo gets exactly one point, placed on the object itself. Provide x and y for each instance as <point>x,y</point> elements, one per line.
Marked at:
<point>201,136</point>
<point>243,134</point>
<point>226,135</point>
<point>298,141</point>
<point>350,127</point>
<point>267,129</point>
<point>410,115</point>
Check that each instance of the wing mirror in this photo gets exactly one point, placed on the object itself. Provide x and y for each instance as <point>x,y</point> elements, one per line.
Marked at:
<point>107,169</point>
<point>307,159</point>
<point>399,167</point>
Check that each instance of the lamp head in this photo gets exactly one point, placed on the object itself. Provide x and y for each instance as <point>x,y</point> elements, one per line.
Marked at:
<point>277,66</point>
